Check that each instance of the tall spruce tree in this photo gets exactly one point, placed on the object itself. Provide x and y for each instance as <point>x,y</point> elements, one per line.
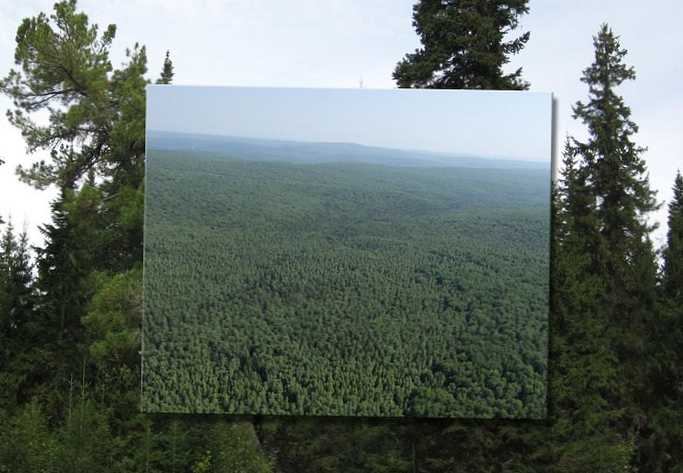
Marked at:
<point>465,45</point>
<point>617,176</point>
<point>606,278</point>
<point>673,252</point>
<point>584,366</point>
<point>17,299</point>
<point>16,281</point>
<point>20,280</point>
<point>660,445</point>
<point>7,323</point>
<point>616,170</point>
<point>577,223</point>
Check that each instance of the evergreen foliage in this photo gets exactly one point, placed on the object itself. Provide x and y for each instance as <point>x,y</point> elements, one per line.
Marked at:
<point>605,282</point>
<point>465,45</point>
<point>17,305</point>
<point>673,252</point>
<point>664,432</point>
<point>166,76</point>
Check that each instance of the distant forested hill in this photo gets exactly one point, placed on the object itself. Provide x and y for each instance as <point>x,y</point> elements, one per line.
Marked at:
<point>342,287</point>
<point>310,152</point>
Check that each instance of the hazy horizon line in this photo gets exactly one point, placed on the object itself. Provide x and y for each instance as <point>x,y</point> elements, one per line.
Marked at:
<point>440,153</point>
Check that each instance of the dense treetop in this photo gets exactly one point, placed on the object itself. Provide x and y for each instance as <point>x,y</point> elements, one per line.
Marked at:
<point>465,45</point>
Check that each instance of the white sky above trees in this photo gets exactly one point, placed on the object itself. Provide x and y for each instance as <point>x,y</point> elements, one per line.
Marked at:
<point>336,43</point>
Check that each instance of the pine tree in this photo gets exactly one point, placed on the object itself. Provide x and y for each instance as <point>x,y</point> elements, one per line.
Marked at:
<point>463,45</point>
<point>95,134</point>
<point>96,112</point>
<point>167,71</point>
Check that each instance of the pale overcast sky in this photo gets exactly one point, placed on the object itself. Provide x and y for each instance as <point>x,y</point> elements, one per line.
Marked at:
<point>512,125</point>
<point>336,43</point>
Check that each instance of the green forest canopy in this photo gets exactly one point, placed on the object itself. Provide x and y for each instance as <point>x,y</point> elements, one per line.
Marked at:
<point>344,288</point>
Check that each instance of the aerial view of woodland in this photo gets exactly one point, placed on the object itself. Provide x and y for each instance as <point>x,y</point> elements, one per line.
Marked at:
<point>339,279</point>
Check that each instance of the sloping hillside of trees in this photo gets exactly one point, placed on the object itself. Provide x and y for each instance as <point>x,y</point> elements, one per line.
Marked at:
<point>344,289</point>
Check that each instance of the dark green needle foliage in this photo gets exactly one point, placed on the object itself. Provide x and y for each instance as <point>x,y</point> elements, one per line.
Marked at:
<point>664,434</point>
<point>605,273</point>
<point>166,76</point>
<point>17,303</point>
<point>673,253</point>
<point>621,197</point>
<point>465,45</point>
